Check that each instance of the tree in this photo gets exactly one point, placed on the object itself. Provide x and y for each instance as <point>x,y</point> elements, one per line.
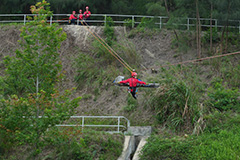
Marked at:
<point>35,104</point>
<point>224,11</point>
<point>36,65</point>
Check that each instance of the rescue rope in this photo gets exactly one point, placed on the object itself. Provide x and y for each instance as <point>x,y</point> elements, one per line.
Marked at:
<point>201,59</point>
<point>124,63</point>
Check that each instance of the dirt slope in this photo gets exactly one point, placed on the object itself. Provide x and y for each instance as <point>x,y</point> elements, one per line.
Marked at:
<point>155,49</point>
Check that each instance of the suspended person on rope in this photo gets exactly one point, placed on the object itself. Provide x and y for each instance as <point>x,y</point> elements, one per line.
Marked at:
<point>80,17</point>
<point>87,14</point>
<point>133,84</point>
<point>72,18</point>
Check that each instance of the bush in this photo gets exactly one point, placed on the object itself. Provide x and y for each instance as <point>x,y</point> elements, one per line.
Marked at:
<point>128,23</point>
<point>230,72</point>
<point>222,145</point>
<point>215,36</point>
<point>221,98</point>
<point>74,143</point>
<point>131,104</point>
<point>146,23</point>
<point>175,102</point>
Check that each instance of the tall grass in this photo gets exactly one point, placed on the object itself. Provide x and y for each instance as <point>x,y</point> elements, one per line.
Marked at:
<point>220,141</point>
<point>176,102</point>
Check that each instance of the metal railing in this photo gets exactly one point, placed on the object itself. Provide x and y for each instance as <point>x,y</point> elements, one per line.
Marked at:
<point>134,20</point>
<point>83,124</point>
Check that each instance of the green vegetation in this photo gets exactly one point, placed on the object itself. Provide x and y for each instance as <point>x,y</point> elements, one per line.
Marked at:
<point>31,101</point>
<point>131,104</point>
<point>101,66</point>
<point>195,112</point>
<point>176,102</point>
<point>31,105</point>
<point>72,143</point>
<point>182,104</point>
<point>75,143</point>
<point>219,141</point>
<point>222,98</point>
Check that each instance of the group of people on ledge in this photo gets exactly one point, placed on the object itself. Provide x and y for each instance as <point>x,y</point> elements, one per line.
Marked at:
<point>81,16</point>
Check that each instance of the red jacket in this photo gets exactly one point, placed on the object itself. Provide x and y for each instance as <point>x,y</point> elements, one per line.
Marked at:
<point>133,82</point>
<point>87,14</point>
<point>80,16</point>
<point>72,17</point>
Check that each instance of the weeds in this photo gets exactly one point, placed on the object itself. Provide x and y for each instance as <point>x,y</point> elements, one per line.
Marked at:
<point>222,145</point>
<point>131,104</point>
<point>175,102</point>
<point>221,98</point>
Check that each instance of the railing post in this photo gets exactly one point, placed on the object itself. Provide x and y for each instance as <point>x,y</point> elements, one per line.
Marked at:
<point>24,19</point>
<point>50,20</point>
<point>160,22</point>
<point>128,123</point>
<point>118,124</point>
<point>132,21</point>
<point>216,24</point>
<point>188,24</point>
<point>82,123</point>
<point>105,21</point>
<point>77,21</point>
<point>239,26</point>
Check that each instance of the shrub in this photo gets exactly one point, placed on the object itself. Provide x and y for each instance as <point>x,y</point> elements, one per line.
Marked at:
<point>109,31</point>
<point>75,143</point>
<point>221,98</point>
<point>131,104</point>
<point>215,36</point>
<point>128,23</point>
<point>222,145</point>
<point>146,23</point>
<point>174,103</point>
<point>230,72</point>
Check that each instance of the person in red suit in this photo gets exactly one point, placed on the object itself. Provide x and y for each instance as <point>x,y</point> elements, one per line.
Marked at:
<point>80,17</point>
<point>87,14</point>
<point>133,81</point>
<point>72,18</point>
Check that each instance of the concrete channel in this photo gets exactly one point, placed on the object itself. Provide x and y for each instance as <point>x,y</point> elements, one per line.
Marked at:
<point>135,139</point>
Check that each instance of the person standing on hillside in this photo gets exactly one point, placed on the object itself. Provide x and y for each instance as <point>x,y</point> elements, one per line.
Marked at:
<point>87,14</point>
<point>80,17</point>
<point>72,18</point>
<point>133,81</point>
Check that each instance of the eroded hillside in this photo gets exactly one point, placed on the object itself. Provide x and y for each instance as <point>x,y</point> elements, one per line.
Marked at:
<point>154,48</point>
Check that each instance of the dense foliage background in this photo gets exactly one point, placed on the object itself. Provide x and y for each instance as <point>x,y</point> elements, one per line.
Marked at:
<point>221,9</point>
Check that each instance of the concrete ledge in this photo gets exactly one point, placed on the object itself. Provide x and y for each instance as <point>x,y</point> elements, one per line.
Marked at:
<point>142,142</point>
<point>129,147</point>
<point>140,131</point>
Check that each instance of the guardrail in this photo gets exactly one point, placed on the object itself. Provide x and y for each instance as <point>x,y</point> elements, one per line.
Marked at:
<point>101,19</point>
<point>83,122</point>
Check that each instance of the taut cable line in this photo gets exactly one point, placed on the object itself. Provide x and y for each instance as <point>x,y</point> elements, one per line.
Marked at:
<point>100,40</point>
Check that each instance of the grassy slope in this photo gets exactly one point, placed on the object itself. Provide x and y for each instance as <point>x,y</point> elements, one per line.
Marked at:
<point>154,48</point>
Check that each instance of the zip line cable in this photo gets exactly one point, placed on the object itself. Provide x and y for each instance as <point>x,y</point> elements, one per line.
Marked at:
<point>109,47</point>
<point>124,63</point>
<point>201,59</point>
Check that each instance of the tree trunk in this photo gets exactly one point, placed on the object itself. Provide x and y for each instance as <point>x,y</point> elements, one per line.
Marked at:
<point>222,37</point>
<point>198,31</point>
<point>226,43</point>
<point>166,7</point>
<point>211,47</point>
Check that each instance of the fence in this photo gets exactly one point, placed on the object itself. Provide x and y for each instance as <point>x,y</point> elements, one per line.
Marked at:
<point>120,124</point>
<point>100,19</point>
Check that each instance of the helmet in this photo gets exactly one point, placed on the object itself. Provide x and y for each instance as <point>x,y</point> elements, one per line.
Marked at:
<point>134,74</point>
<point>73,12</point>
<point>87,7</point>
